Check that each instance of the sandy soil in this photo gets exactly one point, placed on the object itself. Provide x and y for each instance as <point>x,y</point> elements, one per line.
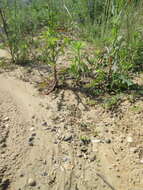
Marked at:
<point>59,142</point>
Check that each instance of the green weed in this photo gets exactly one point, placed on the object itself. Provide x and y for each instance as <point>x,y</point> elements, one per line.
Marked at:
<point>85,139</point>
<point>52,48</point>
<point>112,102</point>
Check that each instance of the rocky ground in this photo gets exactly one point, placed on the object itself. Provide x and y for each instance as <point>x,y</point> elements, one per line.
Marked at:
<point>60,142</point>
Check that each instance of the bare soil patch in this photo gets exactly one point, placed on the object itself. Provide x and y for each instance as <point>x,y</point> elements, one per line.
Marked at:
<point>59,142</point>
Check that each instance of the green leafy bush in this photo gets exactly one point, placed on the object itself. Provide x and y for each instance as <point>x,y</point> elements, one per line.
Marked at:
<point>53,47</point>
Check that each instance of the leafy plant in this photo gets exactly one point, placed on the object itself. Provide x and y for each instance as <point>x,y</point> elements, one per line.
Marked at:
<point>79,66</point>
<point>114,24</point>
<point>112,102</point>
<point>17,33</point>
<point>85,139</point>
<point>52,47</point>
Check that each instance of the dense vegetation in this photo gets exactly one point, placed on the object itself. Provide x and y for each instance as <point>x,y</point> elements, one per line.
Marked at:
<point>105,38</point>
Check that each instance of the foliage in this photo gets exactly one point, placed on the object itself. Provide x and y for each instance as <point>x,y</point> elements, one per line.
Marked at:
<point>115,26</point>
<point>20,24</point>
<point>112,102</point>
<point>86,140</point>
<point>52,48</point>
<point>79,67</point>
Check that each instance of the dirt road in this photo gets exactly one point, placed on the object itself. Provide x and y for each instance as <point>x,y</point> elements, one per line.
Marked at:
<point>43,146</point>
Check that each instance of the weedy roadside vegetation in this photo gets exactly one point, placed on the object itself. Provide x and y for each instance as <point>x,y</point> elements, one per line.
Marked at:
<point>107,48</point>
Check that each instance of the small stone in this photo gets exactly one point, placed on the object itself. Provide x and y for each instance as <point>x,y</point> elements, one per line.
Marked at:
<point>108,141</point>
<point>44,162</point>
<point>21,175</point>
<point>96,141</point>
<point>117,159</point>
<point>31,182</point>
<point>79,155</point>
<point>68,138</point>
<point>6,119</point>
<point>53,130</point>
<point>33,116</point>
<point>61,119</point>
<point>44,123</point>
<point>55,142</point>
<point>32,129</point>
<point>33,134</point>
<point>133,150</point>
<point>30,139</point>
<point>92,158</point>
<point>3,145</point>
<point>30,143</point>
<point>65,159</point>
<point>48,128</point>
<point>129,139</point>
<point>44,174</point>
<point>84,149</point>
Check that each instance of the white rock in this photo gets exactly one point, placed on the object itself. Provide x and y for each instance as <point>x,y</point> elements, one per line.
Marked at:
<point>31,182</point>
<point>6,119</point>
<point>95,140</point>
<point>32,129</point>
<point>44,123</point>
<point>95,144</point>
<point>129,139</point>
